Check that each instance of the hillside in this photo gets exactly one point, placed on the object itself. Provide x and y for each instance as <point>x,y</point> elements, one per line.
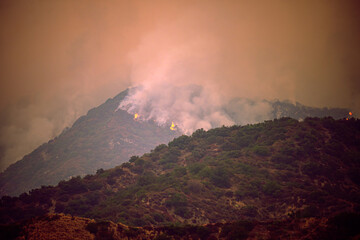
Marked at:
<point>64,227</point>
<point>281,170</point>
<point>105,138</point>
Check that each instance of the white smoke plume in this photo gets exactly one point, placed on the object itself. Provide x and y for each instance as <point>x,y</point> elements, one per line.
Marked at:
<point>180,78</point>
<point>190,107</point>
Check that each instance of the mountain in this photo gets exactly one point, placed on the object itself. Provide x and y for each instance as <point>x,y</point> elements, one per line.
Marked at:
<point>107,137</point>
<point>103,138</point>
<point>279,178</point>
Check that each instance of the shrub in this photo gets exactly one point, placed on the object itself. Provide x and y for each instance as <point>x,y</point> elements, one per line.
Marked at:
<point>198,153</point>
<point>179,171</point>
<point>271,188</point>
<point>139,162</point>
<point>200,133</point>
<point>312,169</point>
<point>176,200</point>
<point>163,236</point>
<point>73,186</point>
<point>228,146</point>
<point>137,169</point>
<point>250,211</point>
<point>92,227</point>
<point>110,180</point>
<point>133,158</point>
<point>261,151</point>
<point>233,154</point>
<point>222,131</point>
<point>195,168</point>
<point>238,230</point>
<point>59,207</point>
<point>180,142</point>
<point>126,165</point>
<point>182,212</point>
<point>171,156</point>
<point>243,168</point>
<point>160,147</point>
<point>214,139</point>
<point>220,177</point>
<point>246,192</point>
<point>243,141</point>
<point>93,198</point>
<point>139,222</point>
<point>282,158</point>
<point>308,211</point>
<point>194,187</point>
<point>334,148</point>
<point>24,197</point>
<point>94,185</point>
<point>146,179</point>
<point>76,207</point>
<point>158,217</point>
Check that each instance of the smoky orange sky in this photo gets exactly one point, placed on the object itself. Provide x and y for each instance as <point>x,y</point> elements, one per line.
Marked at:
<point>60,58</point>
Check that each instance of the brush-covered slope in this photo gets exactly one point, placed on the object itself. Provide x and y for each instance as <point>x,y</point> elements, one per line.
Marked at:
<point>103,138</point>
<point>64,227</point>
<point>276,170</point>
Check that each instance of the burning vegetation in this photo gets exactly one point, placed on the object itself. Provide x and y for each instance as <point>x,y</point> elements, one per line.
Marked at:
<point>350,114</point>
<point>172,127</point>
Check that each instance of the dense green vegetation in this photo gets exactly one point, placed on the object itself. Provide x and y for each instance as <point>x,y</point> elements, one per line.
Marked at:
<point>281,169</point>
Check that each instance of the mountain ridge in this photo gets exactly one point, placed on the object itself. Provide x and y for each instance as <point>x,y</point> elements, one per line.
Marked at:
<point>60,226</point>
<point>99,139</point>
<point>108,136</point>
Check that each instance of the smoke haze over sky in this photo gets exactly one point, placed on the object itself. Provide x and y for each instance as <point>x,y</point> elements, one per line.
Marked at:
<point>58,59</point>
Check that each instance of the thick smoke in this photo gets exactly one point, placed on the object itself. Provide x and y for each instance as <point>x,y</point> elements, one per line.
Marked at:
<point>190,107</point>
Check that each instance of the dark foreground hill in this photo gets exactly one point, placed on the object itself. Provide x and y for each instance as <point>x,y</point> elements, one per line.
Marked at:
<point>105,138</point>
<point>64,227</point>
<point>282,176</point>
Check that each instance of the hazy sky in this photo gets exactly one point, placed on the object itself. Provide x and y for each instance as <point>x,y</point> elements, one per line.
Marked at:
<point>60,58</point>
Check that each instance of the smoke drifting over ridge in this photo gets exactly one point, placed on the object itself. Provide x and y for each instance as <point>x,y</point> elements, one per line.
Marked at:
<point>189,107</point>
<point>60,58</point>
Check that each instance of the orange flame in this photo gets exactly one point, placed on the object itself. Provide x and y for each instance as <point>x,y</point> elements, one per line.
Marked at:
<point>136,116</point>
<point>350,113</point>
<point>172,127</point>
